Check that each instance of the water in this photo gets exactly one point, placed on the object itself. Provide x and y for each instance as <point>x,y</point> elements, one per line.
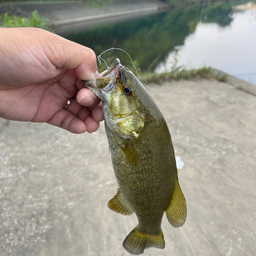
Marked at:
<point>217,37</point>
<point>230,49</point>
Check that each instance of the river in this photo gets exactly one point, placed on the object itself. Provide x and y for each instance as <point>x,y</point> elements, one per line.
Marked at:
<point>192,37</point>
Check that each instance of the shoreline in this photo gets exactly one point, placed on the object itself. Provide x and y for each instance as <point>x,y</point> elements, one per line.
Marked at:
<point>236,82</point>
<point>68,17</point>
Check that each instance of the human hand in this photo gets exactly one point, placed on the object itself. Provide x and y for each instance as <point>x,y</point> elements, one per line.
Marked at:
<point>39,72</point>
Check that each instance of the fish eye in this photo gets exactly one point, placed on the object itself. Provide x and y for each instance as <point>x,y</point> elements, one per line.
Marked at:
<point>127,90</point>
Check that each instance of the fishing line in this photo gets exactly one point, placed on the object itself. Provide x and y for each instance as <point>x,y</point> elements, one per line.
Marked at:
<point>201,19</point>
<point>101,59</point>
<point>202,11</point>
<point>120,49</point>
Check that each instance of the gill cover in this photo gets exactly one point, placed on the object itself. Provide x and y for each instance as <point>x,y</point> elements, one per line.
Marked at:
<point>121,106</point>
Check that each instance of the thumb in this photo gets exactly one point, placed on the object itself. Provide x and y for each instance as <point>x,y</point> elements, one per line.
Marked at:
<point>83,60</point>
<point>71,55</point>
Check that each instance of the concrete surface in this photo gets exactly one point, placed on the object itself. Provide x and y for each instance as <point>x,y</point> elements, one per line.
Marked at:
<point>70,16</point>
<point>55,186</point>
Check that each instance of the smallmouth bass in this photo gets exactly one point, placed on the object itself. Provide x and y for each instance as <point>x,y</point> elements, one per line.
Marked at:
<point>142,156</point>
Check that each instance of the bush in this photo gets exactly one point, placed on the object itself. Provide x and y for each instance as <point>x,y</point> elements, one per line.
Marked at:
<point>32,21</point>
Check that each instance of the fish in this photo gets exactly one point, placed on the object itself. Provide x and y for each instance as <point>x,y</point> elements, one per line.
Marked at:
<point>142,156</point>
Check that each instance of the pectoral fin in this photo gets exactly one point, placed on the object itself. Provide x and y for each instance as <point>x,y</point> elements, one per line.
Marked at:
<point>119,204</point>
<point>177,210</point>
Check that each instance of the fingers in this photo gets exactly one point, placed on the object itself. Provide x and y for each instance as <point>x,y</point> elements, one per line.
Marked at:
<point>33,56</point>
<point>87,70</point>
<point>73,123</point>
<point>78,119</point>
<point>86,98</point>
<point>84,113</point>
<point>97,113</point>
<point>70,55</point>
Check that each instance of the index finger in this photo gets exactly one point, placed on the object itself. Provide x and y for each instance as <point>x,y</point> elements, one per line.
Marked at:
<point>70,55</point>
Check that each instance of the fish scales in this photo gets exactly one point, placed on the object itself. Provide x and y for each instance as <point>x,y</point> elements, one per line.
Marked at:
<point>142,156</point>
<point>146,185</point>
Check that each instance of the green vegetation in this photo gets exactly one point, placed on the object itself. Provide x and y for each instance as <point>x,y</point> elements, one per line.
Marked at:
<point>32,21</point>
<point>96,3</point>
<point>219,75</point>
<point>182,3</point>
<point>222,78</point>
<point>204,72</point>
<point>148,40</point>
<point>151,39</point>
<point>4,1</point>
<point>185,3</point>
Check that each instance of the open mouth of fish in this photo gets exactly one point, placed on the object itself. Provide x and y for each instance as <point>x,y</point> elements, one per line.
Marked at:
<point>107,79</point>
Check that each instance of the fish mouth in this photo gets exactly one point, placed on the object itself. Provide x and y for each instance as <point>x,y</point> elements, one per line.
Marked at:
<point>114,66</point>
<point>106,81</point>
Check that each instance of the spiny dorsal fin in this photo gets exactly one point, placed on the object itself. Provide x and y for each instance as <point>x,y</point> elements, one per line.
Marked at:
<point>119,204</point>
<point>177,210</point>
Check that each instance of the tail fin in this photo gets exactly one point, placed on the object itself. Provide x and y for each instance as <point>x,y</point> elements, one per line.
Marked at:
<point>137,241</point>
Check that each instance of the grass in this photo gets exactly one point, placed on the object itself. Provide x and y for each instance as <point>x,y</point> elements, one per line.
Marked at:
<point>32,21</point>
<point>222,78</point>
<point>205,72</point>
<point>176,73</point>
<point>4,1</point>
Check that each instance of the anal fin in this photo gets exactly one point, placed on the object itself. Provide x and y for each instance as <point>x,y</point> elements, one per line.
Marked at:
<point>119,204</point>
<point>177,210</point>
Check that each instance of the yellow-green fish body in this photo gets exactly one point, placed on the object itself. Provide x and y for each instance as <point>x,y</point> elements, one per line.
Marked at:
<point>143,158</point>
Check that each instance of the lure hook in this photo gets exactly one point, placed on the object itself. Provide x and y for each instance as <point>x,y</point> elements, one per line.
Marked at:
<point>101,59</point>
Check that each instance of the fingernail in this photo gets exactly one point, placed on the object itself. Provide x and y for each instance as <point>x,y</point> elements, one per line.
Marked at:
<point>97,74</point>
<point>90,77</point>
<point>85,100</point>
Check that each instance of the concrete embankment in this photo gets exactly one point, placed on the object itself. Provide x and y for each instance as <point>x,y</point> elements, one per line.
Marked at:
<point>54,185</point>
<point>65,17</point>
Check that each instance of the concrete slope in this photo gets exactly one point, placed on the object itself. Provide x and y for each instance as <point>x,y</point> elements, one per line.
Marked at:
<point>66,16</point>
<point>55,186</point>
